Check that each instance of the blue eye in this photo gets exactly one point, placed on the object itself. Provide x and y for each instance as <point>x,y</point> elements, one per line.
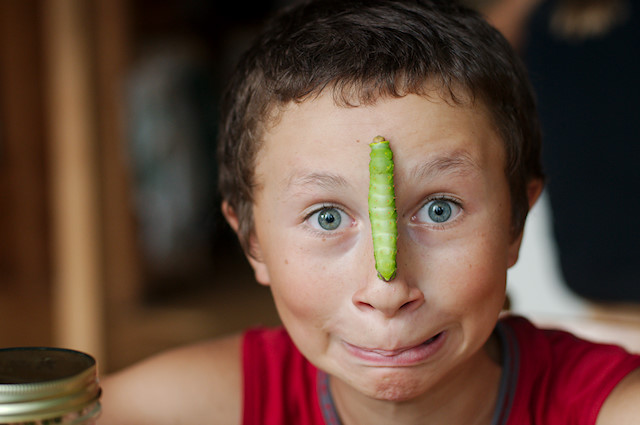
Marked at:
<point>438,211</point>
<point>328,218</point>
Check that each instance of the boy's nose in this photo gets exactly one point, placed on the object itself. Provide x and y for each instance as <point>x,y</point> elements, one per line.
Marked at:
<point>388,298</point>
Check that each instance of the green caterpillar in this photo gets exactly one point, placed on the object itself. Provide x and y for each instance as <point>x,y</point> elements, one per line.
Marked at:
<point>382,208</point>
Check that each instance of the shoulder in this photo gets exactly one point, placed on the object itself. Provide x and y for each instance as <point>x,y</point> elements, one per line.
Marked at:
<point>268,341</point>
<point>556,345</point>
<point>279,382</point>
<point>571,360</point>
<point>179,386</point>
<point>571,377</point>
<point>622,407</point>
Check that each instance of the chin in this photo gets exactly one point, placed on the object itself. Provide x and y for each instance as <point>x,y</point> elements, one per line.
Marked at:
<point>393,387</point>
<point>395,395</point>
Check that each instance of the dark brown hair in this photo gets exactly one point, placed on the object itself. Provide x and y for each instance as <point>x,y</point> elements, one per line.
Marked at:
<point>362,50</point>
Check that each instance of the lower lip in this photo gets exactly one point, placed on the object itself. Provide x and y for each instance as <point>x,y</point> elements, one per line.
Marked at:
<point>407,357</point>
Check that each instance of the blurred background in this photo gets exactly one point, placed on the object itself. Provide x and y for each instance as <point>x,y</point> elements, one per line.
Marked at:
<point>111,239</point>
<point>579,260</point>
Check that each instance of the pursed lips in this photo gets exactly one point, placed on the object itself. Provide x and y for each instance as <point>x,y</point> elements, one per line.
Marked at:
<point>399,356</point>
<point>399,350</point>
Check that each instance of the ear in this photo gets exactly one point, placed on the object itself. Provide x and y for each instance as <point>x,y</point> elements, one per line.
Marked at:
<point>252,250</point>
<point>534,189</point>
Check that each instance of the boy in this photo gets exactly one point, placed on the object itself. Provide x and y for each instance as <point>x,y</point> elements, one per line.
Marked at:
<point>321,82</point>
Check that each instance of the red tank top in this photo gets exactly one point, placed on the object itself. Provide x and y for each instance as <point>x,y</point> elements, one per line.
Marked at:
<point>549,378</point>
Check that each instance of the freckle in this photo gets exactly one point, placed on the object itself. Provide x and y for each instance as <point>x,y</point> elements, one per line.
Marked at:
<point>324,239</point>
<point>286,261</point>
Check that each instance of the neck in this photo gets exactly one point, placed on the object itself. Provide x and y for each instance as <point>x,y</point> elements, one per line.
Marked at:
<point>467,395</point>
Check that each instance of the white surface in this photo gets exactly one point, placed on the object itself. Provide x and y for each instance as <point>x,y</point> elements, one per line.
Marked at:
<point>535,284</point>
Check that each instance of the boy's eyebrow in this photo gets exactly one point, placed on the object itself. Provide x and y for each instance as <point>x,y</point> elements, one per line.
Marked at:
<point>455,162</point>
<point>301,179</point>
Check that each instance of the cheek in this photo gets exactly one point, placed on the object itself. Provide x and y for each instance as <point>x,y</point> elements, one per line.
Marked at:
<point>477,276</point>
<point>305,290</point>
<point>308,300</point>
<point>484,289</point>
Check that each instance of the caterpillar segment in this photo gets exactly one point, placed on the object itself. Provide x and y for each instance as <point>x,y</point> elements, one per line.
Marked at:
<point>382,208</point>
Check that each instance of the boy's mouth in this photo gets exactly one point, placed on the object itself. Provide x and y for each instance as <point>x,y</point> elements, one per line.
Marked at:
<point>401,356</point>
<point>391,353</point>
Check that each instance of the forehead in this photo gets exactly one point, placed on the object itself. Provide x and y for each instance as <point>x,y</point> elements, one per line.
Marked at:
<point>317,137</point>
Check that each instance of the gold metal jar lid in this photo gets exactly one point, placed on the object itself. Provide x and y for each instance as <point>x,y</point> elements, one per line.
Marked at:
<point>41,383</point>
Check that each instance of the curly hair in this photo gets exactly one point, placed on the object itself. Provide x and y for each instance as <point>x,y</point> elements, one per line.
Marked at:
<point>363,50</point>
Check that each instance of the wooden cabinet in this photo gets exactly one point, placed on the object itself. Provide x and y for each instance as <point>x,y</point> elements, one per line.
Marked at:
<point>25,260</point>
<point>71,270</point>
<point>66,226</point>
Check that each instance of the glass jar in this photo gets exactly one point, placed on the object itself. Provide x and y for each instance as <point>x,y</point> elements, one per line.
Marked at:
<point>45,386</point>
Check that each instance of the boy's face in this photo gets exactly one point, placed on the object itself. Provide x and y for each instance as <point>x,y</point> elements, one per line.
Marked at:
<point>313,241</point>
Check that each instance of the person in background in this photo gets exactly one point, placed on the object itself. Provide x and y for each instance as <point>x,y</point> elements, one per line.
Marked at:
<point>584,58</point>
